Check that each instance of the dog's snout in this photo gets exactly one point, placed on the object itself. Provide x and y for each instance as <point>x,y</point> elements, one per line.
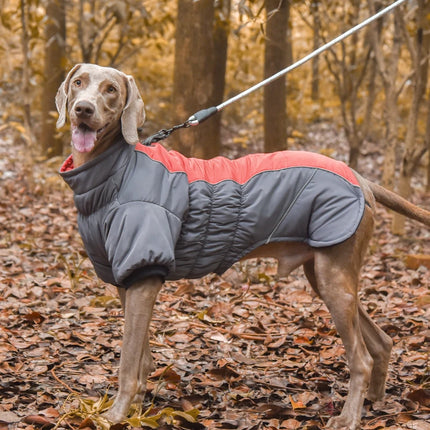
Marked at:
<point>84,109</point>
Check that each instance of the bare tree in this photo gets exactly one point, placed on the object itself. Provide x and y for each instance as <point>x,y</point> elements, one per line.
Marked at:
<point>414,147</point>
<point>316,26</point>
<point>388,70</point>
<point>106,30</point>
<point>220,39</point>
<point>200,56</point>
<point>427,144</point>
<point>25,85</point>
<point>349,63</point>
<point>55,35</point>
<point>275,59</point>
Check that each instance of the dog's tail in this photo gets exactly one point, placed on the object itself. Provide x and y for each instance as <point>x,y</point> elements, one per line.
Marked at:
<point>399,204</point>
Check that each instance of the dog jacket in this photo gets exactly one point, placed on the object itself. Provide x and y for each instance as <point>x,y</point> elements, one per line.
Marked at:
<point>146,211</point>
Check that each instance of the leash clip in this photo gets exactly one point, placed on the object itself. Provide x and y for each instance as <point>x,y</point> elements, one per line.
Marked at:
<point>192,121</point>
<point>163,134</point>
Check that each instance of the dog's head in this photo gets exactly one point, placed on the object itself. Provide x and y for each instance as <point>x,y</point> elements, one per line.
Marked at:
<point>99,101</point>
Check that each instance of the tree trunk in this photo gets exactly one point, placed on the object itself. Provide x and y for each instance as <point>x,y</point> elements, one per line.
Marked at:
<point>370,100</point>
<point>25,86</point>
<point>316,44</point>
<point>427,143</point>
<point>414,150</point>
<point>84,34</point>
<point>391,125</point>
<point>388,73</point>
<point>55,33</point>
<point>220,40</point>
<point>391,113</point>
<point>275,59</point>
<point>197,77</point>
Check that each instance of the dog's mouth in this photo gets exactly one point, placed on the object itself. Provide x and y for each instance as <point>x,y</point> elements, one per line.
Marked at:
<point>84,137</point>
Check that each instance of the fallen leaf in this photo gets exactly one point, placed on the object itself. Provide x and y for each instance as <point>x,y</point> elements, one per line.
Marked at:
<point>421,396</point>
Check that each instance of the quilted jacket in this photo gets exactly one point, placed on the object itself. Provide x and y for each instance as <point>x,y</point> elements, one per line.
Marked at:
<point>146,211</point>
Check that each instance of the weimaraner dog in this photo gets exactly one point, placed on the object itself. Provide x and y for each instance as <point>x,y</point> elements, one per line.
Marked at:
<point>104,107</point>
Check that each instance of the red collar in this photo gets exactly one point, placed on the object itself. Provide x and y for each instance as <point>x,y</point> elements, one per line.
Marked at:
<point>67,165</point>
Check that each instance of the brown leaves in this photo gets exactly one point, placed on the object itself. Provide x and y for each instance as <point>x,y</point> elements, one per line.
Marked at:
<point>421,396</point>
<point>45,419</point>
<point>247,352</point>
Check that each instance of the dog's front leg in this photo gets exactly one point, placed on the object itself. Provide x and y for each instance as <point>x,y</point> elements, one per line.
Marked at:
<point>135,364</point>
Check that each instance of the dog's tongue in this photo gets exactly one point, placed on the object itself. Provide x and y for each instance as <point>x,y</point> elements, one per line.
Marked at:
<point>83,138</point>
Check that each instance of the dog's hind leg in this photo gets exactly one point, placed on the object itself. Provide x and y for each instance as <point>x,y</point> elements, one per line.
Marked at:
<point>136,361</point>
<point>336,272</point>
<point>379,344</point>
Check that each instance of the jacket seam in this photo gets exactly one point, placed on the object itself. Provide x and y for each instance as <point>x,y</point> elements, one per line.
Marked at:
<point>263,172</point>
<point>119,204</point>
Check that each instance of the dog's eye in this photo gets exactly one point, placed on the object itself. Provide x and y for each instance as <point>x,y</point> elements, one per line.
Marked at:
<point>111,89</point>
<point>78,82</point>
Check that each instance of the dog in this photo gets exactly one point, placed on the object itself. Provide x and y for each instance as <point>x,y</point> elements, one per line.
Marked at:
<point>147,214</point>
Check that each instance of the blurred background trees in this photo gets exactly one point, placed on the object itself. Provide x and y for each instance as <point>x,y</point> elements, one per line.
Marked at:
<point>201,40</point>
<point>186,55</point>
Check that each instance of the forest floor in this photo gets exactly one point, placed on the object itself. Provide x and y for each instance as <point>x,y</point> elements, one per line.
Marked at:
<point>252,353</point>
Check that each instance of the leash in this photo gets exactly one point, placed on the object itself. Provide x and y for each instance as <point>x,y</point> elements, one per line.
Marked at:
<point>204,114</point>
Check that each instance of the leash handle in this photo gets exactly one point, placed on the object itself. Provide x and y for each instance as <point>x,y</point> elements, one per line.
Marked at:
<point>201,115</point>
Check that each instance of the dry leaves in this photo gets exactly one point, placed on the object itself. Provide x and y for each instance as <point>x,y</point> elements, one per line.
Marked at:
<point>247,351</point>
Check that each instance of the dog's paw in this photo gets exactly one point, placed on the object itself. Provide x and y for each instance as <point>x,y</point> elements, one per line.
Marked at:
<point>342,423</point>
<point>376,394</point>
<point>114,415</point>
<point>138,399</point>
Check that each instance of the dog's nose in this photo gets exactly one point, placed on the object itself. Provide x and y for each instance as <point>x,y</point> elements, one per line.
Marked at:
<point>84,109</point>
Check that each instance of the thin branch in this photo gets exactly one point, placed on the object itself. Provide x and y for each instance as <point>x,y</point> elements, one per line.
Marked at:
<point>62,382</point>
<point>361,76</point>
<point>108,27</point>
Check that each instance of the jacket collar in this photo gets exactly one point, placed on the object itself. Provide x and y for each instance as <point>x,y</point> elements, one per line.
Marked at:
<point>97,171</point>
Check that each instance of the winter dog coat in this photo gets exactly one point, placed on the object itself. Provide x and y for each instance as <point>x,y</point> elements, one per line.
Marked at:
<point>146,211</point>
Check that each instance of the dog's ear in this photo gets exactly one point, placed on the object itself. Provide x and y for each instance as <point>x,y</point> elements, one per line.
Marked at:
<point>133,114</point>
<point>61,97</point>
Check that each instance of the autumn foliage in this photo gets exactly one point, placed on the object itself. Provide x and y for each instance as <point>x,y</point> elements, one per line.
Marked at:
<point>245,351</point>
<point>242,351</point>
